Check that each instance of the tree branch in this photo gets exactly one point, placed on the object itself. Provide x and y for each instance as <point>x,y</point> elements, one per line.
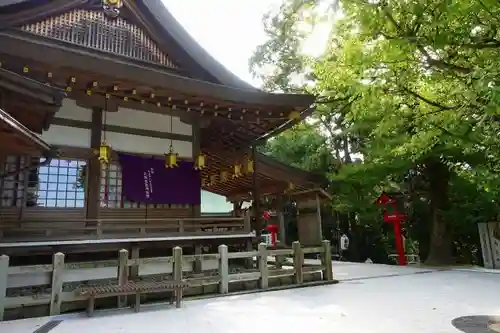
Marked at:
<point>428,101</point>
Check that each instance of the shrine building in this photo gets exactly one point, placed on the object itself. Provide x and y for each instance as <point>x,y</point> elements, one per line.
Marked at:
<point>114,119</point>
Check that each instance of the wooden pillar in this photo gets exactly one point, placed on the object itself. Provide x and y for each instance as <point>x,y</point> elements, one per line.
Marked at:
<point>223,270</point>
<point>318,216</point>
<point>135,254</point>
<point>26,173</point>
<point>94,167</point>
<point>122,275</point>
<point>281,220</point>
<point>197,263</point>
<point>196,209</point>
<point>57,283</point>
<point>4,276</point>
<point>235,208</point>
<point>256,195</point>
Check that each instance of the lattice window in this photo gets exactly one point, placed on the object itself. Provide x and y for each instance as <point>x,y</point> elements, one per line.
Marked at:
<point>60,184</point>
<point>12,187</point>
<point>95,30</point>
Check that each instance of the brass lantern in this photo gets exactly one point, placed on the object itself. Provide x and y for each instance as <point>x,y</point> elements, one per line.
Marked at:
<point>213,179</point>
<point>224,176</point>
<point>249,165</point>
<point>171,159</point>
<point>294,115</point>
<point>104,153</point>
<point>200,162</point>
<point>237,171</point>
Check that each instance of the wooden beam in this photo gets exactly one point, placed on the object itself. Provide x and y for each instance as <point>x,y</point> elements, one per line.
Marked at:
<point>263,191</point>
<point>94,167</point>
<point>196,209</point>
<point>123,129</point>
<point>256,197</point>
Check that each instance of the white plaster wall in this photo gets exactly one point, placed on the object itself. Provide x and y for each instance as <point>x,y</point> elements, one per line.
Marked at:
<point>145,145</point>
<point>67,136</point>
<point>69,110</point>
<point>127,118</point>
<point>78,137</point>
<point>148,121</point>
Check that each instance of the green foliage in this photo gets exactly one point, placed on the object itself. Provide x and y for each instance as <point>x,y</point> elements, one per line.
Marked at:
<point>303,140</point>
<point>414,88</point>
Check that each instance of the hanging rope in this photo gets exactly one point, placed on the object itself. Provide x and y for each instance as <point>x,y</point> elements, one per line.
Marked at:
<point>171,132</point>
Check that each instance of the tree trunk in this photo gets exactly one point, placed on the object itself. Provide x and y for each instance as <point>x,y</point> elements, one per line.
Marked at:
<point>440,247</point>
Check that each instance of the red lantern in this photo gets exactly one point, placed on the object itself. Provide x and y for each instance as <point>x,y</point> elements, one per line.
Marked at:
<point>273,230</point>
<point>266,215</point>
<point>384,199</point>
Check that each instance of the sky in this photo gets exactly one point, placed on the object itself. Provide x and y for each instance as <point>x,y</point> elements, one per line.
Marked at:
<point>231,30</point>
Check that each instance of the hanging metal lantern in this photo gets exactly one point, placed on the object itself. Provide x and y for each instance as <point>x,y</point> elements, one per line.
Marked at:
<point>290,187</point>
<point>237,171</point>
<point>199,162</point>
<point>294,115</point>
<point>249,165</point>
<point>171,159</point>
<point>224,175</point>
<point>104,153</point>
<point>213,179</point>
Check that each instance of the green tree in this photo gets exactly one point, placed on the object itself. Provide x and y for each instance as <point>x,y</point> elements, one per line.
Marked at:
<point>303,140</point>
<point>413,87</point>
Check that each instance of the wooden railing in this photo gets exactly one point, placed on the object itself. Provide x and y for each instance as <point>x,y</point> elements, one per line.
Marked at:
<point>124,268</point>
<point>99,228</point>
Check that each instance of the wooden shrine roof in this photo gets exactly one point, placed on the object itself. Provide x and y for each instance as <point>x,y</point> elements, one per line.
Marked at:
<point>151,64</point>
<point>16,139</point>
<point>17,135</point>
<point>34,103</point>
<point>273,177</point>
<point>187,52</point>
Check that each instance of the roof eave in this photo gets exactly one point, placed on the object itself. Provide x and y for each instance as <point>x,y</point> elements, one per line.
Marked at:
<point>308,177</point>
<point>28,46</point>
<point>287,125</point>
<point>30,87</point>
<point>24,131</point>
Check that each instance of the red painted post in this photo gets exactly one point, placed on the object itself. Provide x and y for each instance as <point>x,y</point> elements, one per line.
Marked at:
<point>395,218</point>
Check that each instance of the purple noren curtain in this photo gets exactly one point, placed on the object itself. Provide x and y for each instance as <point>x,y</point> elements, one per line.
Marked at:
<point>147,180</point>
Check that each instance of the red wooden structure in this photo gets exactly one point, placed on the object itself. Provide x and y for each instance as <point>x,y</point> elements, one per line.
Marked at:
<point>395,218</point>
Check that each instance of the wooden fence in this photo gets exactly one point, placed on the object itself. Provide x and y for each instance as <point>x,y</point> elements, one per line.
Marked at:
<point>124,268</point>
